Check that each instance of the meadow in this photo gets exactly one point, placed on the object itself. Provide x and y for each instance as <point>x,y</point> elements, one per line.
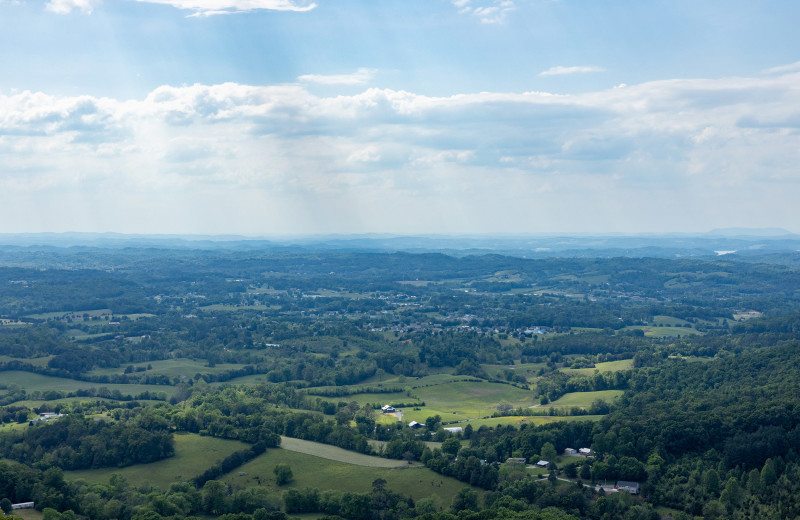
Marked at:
<point>323,473</point>
<point>171,367</point>
<point>40,383</point>
<point>608,366</point>
<point>193,455</point>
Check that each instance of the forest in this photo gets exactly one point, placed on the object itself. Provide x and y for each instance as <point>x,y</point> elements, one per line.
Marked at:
<point>679,375</point>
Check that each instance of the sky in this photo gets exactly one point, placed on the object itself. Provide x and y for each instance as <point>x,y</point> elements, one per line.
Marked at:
<point>293,117</point>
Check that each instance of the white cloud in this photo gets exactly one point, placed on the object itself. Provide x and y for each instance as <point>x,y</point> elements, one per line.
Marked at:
<point>494,12</point>
<point>67,6</point>
<point>719,142</point>
<point>560,71</point>
<point>360,77</point>
<point>214,7</point>
<point>791,67</point>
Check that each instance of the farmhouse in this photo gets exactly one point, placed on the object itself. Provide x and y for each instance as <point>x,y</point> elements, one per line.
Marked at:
<point>570,452</point>
<point>585,452</point>
<point>630,487</point>
<point>387,408</point>
<point>415,425</point>
<point>22,505</point>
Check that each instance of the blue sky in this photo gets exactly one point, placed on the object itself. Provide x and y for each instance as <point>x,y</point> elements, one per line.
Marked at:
<point>272,117</point>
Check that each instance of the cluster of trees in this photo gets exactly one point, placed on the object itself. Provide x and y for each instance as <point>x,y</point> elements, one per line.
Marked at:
<point>77,442</point>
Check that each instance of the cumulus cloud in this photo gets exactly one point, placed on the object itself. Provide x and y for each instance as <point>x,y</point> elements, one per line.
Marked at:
<point>214,7</point>
<point>560,71</point>
<point>360,77</point>
<point>288,147</point>
<point>487,12</point>
<point>67,6</point>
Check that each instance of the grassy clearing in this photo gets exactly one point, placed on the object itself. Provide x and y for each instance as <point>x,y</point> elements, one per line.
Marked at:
<point>326,451</point>
<point>193,455</point>
<point>609,366</point>
<point>172,368</point>
<point>321,473</point>
<point>584,399</point>
<point>37,382</point>
<point>28,514</point>
<point>469,400</point>
<point>534,420</point>
<point>665,332</point>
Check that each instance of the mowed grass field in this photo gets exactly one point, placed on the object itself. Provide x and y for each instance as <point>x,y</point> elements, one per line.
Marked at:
<point>193,455</point>
<point>609,366</point>
<point>323,473</point>
<point>329,452</point>
<point>37,362</point>
<point>32,382</point>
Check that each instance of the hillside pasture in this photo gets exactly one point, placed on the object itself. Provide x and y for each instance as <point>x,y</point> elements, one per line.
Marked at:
<point>171,367</point>
<point>583,399</point>
<point>193,455</point>
<point>608,366</point>
<point>326,474</point>
<point>32,382</point>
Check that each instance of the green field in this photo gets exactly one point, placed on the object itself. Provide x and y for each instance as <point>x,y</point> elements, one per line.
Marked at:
<point>193,455</point>
<point>37,382</point>
<point>329,452</point>
<point>466,400</point>
<point>535,420</point>
<point>322,473</point>
<point>609,366</point>
<point>172,368</point>
<point>665,332</point>
<point>584,399</point>
<point>37,362</point>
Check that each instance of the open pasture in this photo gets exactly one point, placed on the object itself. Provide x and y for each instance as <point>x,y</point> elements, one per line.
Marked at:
<point>329,452</point>
<point>531,420</point>
<point>467,400</point>
<point>609,366</point>
<point>583,399</point>
<point>172,368</point>
<point>322,473</point>
<point>193,455</point>
<point>37,382</point>
<point>37,362</point>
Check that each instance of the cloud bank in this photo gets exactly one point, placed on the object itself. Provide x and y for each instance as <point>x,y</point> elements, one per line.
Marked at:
<point>392,160</point>
<point>561,71</point>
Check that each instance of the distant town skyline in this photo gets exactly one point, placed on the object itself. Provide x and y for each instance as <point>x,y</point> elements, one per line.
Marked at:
<point>282,117</point>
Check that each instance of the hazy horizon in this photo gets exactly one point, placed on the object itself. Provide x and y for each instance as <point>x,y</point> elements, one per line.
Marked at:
<point>461,117</point>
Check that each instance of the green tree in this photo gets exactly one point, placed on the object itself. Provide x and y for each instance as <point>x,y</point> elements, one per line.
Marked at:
<point>5,505</point>
<point>283,474</point>
<point>465,499</point>
<point>549,452</point>
<point>451,446</point>
<point>214,497</point>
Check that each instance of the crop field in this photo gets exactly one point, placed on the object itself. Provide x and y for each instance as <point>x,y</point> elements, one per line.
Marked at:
<point>37,382</point>
<point>323,473</point>
<point>91,313</point>
<point>172,368</point>
<point>193,455</point>
<point>665,332</point>
<point>609,366</point>
<point>584,399</point>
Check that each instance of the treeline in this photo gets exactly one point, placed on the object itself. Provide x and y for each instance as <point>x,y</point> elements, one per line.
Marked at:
<point>236,459</point>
